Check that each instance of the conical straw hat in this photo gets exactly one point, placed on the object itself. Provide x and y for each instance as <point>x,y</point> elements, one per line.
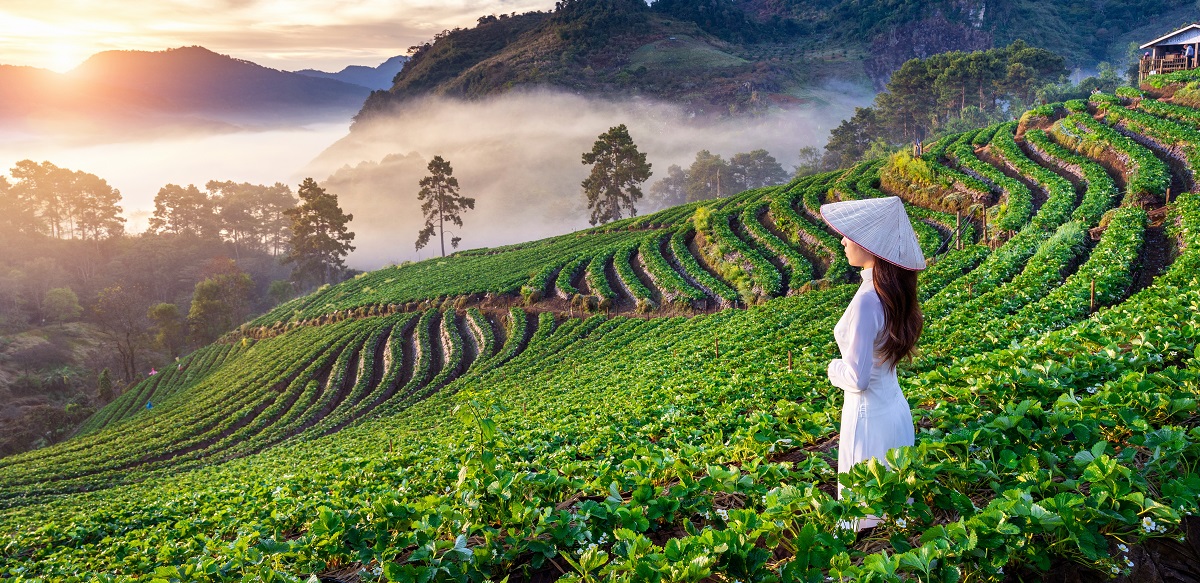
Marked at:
<point>880,226</point>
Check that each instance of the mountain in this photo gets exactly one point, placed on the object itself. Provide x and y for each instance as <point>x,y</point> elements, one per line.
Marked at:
<point>379,77</point>
<point>188,85</point>
<point>738,56</point>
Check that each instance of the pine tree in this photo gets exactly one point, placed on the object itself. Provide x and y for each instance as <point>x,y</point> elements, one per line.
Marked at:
<point>319,240</point>
<point>617,170</point>
<point>442,203</point>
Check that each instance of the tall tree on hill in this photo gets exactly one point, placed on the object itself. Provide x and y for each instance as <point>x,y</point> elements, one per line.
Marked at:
<point>617,170</point>
<point>320,240</point>
<point>442,203</point>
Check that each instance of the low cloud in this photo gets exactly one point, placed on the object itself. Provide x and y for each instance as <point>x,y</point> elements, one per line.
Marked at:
<point>519,156</point>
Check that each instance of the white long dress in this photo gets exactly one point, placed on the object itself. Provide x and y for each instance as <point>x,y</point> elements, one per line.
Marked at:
<point>875,416</point>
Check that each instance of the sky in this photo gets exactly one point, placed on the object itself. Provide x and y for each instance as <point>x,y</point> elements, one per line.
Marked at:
<point>282,34</point>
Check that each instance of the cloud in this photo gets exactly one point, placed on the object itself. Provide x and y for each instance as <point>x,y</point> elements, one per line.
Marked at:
<point>519,156</point>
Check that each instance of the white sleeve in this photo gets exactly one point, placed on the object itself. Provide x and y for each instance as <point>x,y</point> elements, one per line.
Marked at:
<point>864,320</point>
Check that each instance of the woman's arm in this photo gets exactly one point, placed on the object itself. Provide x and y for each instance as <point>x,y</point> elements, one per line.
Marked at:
<point>864,319</point>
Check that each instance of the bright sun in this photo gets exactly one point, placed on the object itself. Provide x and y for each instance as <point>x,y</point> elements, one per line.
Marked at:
<point>64,57</point>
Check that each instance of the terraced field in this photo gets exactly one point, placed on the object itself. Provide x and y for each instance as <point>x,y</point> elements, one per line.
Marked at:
<point>647,401</point>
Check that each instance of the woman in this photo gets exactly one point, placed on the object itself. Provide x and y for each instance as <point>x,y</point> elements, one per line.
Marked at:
<point>879,329</point>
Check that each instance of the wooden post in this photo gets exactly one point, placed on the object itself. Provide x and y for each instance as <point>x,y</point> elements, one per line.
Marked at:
<point>1168,195</point>
<point>1093,300</point>
<point>717,347</point>
<point>789,361</point>
<point>970,293</point>
<point>958,229</point>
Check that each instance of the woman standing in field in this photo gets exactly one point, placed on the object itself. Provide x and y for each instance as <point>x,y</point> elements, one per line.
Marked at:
<point>879,329</point>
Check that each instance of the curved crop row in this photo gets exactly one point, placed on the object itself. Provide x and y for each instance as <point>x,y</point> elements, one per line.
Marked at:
<point>623,265</point>
<point>799,268</point>
<point>569,273</point>
<point>673,286</point>
<point>1167,133</point>
<point>1014,212</point>
<point>679,247</point>
<point>1060,194</point>
<point>1149,177</point>
<point>762,277</point>
<point>1101,192</point>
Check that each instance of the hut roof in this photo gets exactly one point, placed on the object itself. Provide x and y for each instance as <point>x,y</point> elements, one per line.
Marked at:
<point>1186,35</point>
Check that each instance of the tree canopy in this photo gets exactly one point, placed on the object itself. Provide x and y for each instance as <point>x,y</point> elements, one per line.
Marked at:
<point>59,203</point>
<point>927,95</point>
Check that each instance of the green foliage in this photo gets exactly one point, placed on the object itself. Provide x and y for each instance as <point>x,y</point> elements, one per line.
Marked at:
<point>61,305</point>
<point>60,203</point>
<point>170,326</point>
<point>1163,80</point>
<point>933,94</point>
<point>1053,424</point>
<point>218,304</point>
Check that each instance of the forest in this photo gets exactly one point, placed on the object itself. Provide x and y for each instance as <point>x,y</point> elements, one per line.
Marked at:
<point>87,308</point>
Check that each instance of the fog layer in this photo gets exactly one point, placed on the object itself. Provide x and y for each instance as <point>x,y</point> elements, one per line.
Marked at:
<point>519,156</point>
<point>139,167</point>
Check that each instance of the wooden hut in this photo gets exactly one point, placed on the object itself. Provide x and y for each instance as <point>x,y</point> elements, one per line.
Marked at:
<point>1175,51</point>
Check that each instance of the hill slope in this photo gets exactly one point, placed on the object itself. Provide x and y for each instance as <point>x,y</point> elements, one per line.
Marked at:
<point>415,423</point>
<point>741,56</point>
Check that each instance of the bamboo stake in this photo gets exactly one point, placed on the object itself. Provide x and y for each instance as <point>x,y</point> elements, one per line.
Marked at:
<point>1093,300</point>
<point>717,346</point>
<point>789,361</point>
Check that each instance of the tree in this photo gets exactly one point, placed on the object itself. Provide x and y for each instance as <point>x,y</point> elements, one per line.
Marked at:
<point>756,169</point>
<point>168,326</point>
<point>104,387</point>
<point>319,239</point>
<point>670,190</point>
<point>442,203</point>
<point>280,291</point>
<point>121,315</point>
<point>708,177</point>
<point>851,138</point>
<point>95,213</point>
<point>253,214</point>
<point>183,211</point>
<point>809,162</point>
<point>63,203</point>
<point>617,170</point>
<point>61,304</point>
<point>218,304</point>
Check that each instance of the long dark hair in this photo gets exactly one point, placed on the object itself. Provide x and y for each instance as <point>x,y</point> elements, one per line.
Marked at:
<point>897,288</point>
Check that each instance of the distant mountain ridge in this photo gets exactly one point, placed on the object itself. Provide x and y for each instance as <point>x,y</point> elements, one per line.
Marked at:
<point>189,86</point>
<point>379,77</point>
